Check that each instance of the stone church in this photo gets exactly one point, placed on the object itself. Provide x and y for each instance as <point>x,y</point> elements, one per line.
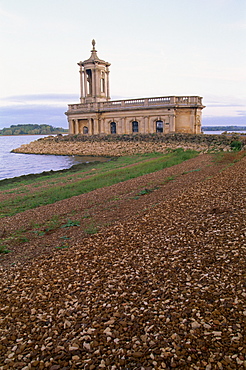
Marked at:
<point>97,114</point>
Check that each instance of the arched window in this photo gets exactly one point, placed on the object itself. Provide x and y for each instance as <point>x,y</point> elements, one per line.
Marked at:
<point>85,130</point>
<point>159,126</point>
<point>113,128</point>
<point>134,126</point>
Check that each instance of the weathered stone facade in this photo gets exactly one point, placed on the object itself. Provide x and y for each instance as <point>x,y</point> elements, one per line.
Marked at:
<point>97,114</point>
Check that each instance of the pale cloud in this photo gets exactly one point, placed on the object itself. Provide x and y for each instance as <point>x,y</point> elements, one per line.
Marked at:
<point>242,113</point>
<point>224,106</point>
<point>38,98</point>
<point>240,25</point>
<point>220,111</point>
<point>6,16</point>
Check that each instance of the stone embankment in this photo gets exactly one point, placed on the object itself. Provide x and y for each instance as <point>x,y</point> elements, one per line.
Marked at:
<point>120,145</point>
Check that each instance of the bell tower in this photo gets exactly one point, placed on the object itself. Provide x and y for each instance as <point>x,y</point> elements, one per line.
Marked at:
<point>94,78</point>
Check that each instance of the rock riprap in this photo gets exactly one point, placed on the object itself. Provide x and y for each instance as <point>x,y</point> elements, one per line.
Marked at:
<point>164,290</point>
<point>120,145</point>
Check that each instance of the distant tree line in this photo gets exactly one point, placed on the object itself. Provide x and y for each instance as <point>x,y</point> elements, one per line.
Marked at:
<point>32,129</point>
<point>223,128</point>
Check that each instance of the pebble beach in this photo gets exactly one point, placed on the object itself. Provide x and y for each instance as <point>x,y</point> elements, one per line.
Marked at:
<point>163,290</point>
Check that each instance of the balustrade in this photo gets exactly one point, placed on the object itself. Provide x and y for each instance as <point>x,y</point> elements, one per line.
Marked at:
<point>118,104</point>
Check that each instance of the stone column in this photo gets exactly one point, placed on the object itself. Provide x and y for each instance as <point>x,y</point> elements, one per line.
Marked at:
<point>102,126</point>
<point>193,121</point>
<point>128,126</point>
<point>85,83</point>
<point>106,126</point>
<point>151,119</point>
<point>138,119</point>
<point>118,126</point>
<point>95,84</point>
<point>198,121</point>
<point>99,77</point>
<point>146,128</point>
<point>96,131</point>
<point>172,127</point>
<point>89,126</point>
<point>71,126</point>
<point>76,126</point>
<point>107,87</point>
<point>123,125</point>
<point>81,85</point>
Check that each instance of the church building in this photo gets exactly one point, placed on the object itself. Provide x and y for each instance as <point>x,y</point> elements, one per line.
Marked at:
<point>97,114</point>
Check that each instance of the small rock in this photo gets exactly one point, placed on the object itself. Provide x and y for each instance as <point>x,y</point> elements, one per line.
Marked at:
<point>74,347</point>
<point>217,333</point>
<point>87,346</point>
<point>102,364</point>
<point>195,325</point>
<point>75,358</point>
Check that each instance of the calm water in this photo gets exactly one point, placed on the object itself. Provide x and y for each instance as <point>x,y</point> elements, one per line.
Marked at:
<point>220,132</point>
<point>15,164</point>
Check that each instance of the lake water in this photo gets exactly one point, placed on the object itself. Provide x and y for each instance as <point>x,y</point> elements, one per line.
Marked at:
<point>220,132</point>
<point>15,164</point>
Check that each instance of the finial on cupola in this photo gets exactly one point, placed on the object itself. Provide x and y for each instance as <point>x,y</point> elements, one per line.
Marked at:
<point>93,44</point>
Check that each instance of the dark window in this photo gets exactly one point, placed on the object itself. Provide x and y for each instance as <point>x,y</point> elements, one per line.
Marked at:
<point>85,130</point>
<point>159,126</point>
<point>113,127</point>
<point>89,82</point>
<point>134,126</point>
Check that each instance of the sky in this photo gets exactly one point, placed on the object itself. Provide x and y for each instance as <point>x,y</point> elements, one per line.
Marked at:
<point>155,47</point>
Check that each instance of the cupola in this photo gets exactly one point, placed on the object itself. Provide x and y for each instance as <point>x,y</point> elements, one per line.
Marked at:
<point>94,78</point>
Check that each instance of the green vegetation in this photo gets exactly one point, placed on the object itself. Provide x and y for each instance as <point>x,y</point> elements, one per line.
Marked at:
<point>91,229</point>
<point>65,246</point>
<point>80,171</point>
<point>4,249</point>
<point>147,190</point>
<point>228,157</point>
<point>32,129</point>
<point>195,170</point>
<point>71,223</point>
<point>58,186</point>
<point>103,178</point>
<point>236,145</point>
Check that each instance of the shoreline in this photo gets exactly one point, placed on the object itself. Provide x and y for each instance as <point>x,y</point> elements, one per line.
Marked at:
<point>121,145</point>
<point>72,169</point>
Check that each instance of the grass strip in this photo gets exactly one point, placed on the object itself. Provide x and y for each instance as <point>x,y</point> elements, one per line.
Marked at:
<point>17,184</point>
<point>49,196</point>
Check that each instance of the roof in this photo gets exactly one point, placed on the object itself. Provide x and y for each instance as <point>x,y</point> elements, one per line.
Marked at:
<point>93,58</point>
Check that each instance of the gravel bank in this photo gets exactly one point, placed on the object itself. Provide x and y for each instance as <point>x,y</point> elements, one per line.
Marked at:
<point>100,148</point>
<point>120,145</point>
<point>164,290</point>
<point>98,208</point>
